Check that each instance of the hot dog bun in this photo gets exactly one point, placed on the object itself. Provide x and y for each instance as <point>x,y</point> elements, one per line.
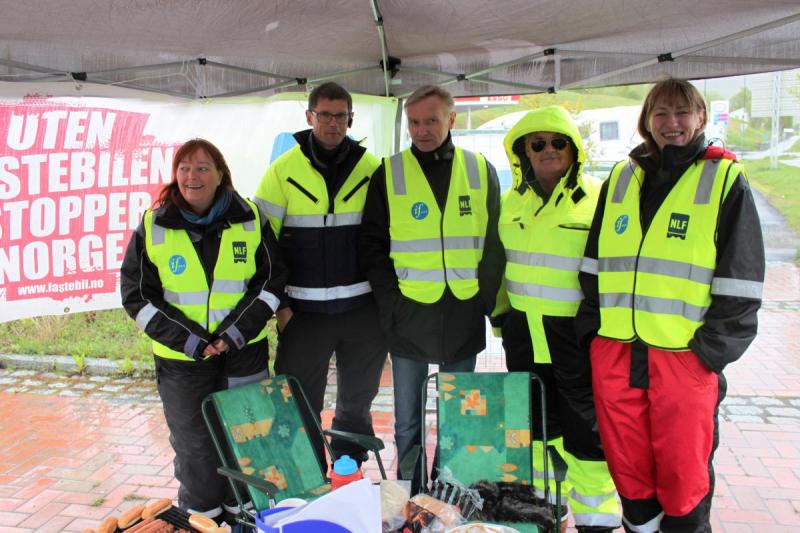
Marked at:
<point>156,508</point>
<point>130,517</point>
<point>202,523</point>
<point>109,525</point>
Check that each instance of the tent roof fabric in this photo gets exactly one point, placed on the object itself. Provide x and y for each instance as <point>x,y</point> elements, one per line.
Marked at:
<point>208,48</point>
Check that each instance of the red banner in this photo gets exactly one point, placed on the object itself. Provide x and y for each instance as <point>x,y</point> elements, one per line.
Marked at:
<point>74,182</point>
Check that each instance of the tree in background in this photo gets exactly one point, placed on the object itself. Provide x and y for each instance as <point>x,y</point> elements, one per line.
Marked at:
<point>742,99</point>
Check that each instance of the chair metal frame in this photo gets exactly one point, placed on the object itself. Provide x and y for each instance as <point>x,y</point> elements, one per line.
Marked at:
<point>548,452</point>
<point>233,474</point>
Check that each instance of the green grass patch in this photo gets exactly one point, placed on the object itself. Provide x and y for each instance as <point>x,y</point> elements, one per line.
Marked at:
<point>105,334</point>
<point>779,185</point>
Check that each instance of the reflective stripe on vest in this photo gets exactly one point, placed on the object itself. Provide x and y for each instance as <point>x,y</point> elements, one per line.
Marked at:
<point>431,248</point>
<point>658,287</point>
<point>184,280</point>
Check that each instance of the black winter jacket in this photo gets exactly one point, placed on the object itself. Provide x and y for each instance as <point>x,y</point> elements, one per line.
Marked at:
<point>141,284</point>
<point>325,257</point>
<point>449,330</point>
<point>730,323</point>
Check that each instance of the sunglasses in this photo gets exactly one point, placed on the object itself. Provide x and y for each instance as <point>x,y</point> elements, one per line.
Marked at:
<point>558,143</point>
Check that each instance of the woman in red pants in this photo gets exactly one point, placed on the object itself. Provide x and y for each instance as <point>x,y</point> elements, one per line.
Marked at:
<point>672,279</point>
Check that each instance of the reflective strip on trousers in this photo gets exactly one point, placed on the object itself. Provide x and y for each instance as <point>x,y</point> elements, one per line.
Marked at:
<point>558,262</point>
<point>268,209</point>
<point>702,194</point>
<point>654,304</point>
<point>741,288</point>
<point>416,274</point>
<point>434,244</point>
<point>186,298</point>
<point>664,267</point>
<point>330,220</point>
<point>534,290</point>
<point>145,315</point>
<point>651,526</point>
<point>324,294</point>
<point>596,519</point>
<point>399,175</point>
<point>592,501</point>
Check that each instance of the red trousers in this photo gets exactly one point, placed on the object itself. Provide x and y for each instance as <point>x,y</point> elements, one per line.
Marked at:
<point>658,440</point>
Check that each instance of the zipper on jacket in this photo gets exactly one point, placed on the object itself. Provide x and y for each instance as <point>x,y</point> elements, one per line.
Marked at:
<point>303,190</point>
<point>355,189</point>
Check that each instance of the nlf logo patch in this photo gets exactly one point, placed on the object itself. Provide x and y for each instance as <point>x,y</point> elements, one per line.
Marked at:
<point>621,224</point>
<point>239,252</point>
<point>463,206</point>
<point>419,210</point>
<point>678,224</point>
<point>177,264</point>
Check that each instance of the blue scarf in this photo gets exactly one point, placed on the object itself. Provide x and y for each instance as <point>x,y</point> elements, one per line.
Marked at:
<point>217,210</point>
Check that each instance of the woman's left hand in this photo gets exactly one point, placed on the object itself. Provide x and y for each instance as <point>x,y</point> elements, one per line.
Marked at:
<point>220,345</point>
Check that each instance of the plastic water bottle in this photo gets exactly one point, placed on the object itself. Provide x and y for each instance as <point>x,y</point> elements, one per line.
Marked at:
<point>345,469</point>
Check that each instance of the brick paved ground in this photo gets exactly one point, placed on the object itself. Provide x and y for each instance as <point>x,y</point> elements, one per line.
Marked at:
<point>74,450</point>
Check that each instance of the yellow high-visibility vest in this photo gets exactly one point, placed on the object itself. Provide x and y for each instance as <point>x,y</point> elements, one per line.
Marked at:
<point>184,280</point>
<point>432,249</point>
<point>544,246</point>
<point>657,287</point>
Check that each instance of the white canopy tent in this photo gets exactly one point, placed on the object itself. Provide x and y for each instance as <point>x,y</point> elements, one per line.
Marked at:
<point>215,48</point>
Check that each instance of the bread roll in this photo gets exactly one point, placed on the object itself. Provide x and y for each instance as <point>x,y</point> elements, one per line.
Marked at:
<point>156,508</point>
<point>202,523</point>
<point>109,525</point>
<point>130,517</point>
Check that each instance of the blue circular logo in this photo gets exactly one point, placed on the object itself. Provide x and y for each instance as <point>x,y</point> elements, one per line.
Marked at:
<point>621,224</point>
<point>177,264</point>
<point>419,210</point>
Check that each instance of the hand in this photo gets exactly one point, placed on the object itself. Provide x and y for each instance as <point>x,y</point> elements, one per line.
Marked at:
<point>211,350</point>
<point>283,316</point>
<point>220,345</point>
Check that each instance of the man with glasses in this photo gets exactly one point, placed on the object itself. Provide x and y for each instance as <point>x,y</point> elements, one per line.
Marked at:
<point>544,222</point>
<point>313,195</point>
<point>430,249</point>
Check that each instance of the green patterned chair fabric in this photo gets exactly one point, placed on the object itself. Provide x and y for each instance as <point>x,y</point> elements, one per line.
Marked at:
<point>484,426</point>
<point>264,430</point>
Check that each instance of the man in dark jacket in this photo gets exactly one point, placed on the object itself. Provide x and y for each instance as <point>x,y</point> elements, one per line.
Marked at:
<point>313,196</point>
<point>430,249</point>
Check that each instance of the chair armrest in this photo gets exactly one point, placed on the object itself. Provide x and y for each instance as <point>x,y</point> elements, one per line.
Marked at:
<point>365,441</point>
<point>559,465</point>
<point>260,483</point>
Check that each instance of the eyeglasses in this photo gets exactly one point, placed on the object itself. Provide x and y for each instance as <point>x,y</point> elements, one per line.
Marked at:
<point>558,143</point>
<point>324,116</point>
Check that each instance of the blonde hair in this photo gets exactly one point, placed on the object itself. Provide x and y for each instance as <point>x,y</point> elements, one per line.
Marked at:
<point>431,90</point>
<point>673,91</point>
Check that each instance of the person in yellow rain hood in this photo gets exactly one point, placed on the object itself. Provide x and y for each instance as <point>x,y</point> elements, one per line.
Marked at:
<point>544,222</point>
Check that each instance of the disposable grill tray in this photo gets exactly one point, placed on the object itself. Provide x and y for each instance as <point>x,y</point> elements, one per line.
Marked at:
<point>178,518</point>
<point>175,516</point>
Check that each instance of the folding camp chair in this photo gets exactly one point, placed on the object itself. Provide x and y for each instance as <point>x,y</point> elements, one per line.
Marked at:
<point>267,447</point>
<point>484,427</point>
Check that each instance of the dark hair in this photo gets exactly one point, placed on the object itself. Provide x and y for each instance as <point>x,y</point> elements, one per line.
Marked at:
<point>171,195</point>
<point>329,91</point>
<point>673,91</point>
